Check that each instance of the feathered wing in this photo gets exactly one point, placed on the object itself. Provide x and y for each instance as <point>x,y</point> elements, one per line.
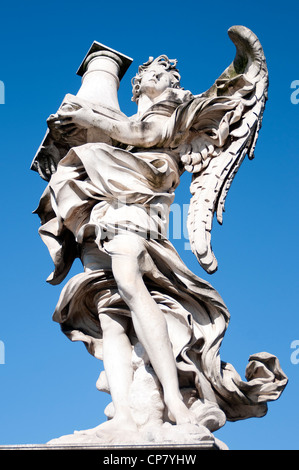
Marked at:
<point>223,129</point>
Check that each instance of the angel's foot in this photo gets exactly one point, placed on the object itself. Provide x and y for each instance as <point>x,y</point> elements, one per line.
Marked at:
<point>111,426</point>
<point>87,432</point>
<point>179,413</point>
<point>116,425</point>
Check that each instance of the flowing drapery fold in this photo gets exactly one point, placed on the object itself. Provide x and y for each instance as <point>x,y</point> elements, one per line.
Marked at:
<point>99,191</point>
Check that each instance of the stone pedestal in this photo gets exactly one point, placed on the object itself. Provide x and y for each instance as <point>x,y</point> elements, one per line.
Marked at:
<point>139,450</point>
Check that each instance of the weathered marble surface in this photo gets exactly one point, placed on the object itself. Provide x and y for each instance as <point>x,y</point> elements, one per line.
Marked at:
<point>111,182</point>
<point>148,411</point>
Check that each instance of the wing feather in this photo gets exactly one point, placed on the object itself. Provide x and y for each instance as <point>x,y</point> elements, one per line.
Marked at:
<point>244,83</point>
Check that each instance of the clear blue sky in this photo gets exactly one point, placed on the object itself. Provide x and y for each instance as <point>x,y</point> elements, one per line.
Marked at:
<point>47,384</point>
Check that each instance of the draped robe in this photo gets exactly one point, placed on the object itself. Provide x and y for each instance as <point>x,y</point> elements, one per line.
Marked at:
<point>101,190</point>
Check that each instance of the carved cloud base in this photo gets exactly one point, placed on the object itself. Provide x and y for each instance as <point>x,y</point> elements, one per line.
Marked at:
<point>150,415</point>
<point>164,435</point>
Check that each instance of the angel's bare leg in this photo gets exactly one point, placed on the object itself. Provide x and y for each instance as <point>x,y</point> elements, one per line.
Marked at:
<point>117,358</point>
<point>117,350</point>
<point>148,320</point>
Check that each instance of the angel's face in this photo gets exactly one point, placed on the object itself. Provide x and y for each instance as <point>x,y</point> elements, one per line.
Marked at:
<point>154,81</point>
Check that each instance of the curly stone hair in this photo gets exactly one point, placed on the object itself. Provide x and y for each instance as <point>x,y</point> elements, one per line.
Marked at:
<point>162,60</point>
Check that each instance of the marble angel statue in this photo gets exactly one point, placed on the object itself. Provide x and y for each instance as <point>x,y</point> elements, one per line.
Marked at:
<point>108,204</point>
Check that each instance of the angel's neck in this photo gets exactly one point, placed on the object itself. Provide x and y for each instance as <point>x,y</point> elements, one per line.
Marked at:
<point>144,103</point>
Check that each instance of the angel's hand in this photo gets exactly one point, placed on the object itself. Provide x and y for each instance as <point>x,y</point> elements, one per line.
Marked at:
<point>46,166</point>
<point>67,121</point>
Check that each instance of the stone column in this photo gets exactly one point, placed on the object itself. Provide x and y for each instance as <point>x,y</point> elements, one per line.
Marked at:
<point>101,72</point>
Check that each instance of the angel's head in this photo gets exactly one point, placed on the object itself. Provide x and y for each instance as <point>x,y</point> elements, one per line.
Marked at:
<point>155,76</point>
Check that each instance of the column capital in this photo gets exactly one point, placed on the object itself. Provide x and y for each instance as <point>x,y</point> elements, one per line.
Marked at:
<point>97,49</point>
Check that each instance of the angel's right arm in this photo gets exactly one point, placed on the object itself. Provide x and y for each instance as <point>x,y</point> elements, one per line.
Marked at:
<point>144,134</point>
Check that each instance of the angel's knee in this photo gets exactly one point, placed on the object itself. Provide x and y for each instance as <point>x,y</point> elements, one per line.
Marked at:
<point>125,244</point>
<point>127,275</point>
<point>113,325</point>
<point>130,261</point>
